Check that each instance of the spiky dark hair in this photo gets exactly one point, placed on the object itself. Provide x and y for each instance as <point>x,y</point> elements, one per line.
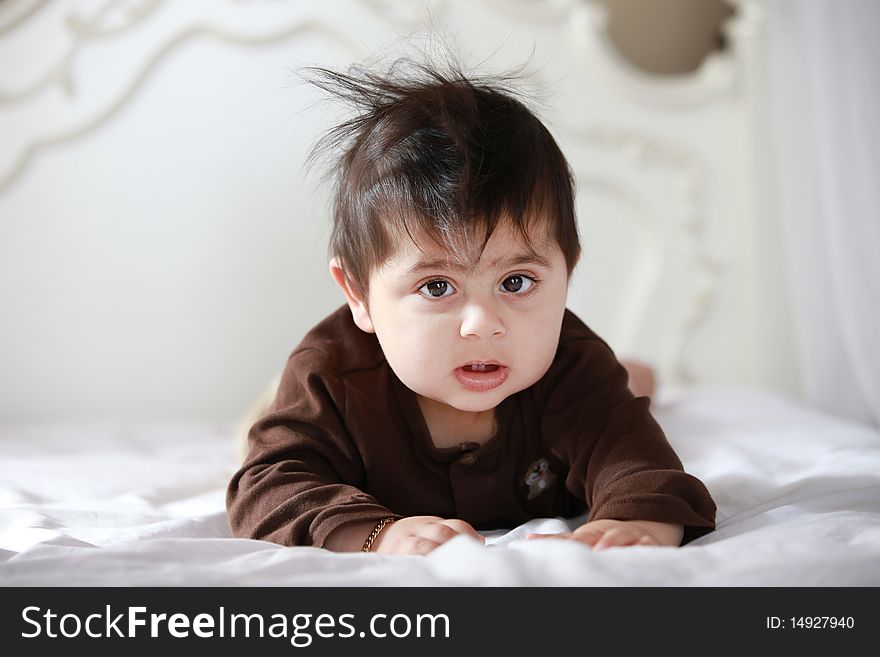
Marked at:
<point>437,154</point>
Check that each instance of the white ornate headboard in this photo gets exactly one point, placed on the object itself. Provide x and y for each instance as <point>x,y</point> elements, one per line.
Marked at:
<point>161,251</point>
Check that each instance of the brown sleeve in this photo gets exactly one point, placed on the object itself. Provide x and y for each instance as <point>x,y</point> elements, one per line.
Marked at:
<point>303,476</point>
<point>620,461</point>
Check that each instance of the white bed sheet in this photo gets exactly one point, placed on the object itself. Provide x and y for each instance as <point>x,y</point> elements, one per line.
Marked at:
<point>798,497</point>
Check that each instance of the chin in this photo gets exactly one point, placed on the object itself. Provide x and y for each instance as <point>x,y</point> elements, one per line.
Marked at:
<point>477,402</point>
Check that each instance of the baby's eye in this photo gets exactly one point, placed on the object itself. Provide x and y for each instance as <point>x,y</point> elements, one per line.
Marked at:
<point>437,289</point>
<point>517,284</point>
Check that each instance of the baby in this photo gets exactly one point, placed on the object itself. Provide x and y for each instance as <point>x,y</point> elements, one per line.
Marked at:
<point>454,391</point>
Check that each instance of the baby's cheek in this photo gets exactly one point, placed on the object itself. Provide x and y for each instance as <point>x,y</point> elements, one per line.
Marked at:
<point>537,361</point>
<point>420,374</point>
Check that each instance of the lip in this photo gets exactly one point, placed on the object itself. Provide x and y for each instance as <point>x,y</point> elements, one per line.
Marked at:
<point>481,381</point>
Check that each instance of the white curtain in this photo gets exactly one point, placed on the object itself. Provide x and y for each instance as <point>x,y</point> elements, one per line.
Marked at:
<point>824,93</point>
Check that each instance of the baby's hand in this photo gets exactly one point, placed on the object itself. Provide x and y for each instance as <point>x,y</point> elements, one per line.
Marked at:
<point>420,534</point>
<point>600,534</point>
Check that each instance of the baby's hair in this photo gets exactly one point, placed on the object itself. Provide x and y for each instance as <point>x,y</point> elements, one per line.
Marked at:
<point>437,154</point>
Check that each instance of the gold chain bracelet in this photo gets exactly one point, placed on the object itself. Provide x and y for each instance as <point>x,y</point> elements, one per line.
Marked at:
<point>378,528</point>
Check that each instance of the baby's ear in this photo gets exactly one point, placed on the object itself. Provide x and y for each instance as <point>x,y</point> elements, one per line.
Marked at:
<point>355,300</point>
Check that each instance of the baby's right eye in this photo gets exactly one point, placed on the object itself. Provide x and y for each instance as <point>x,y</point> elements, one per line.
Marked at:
<point>436,289</point>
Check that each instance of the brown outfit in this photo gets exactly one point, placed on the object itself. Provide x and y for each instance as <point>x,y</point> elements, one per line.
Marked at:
<point>345,441</point>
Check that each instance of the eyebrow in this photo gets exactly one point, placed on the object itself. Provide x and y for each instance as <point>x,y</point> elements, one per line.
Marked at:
<point>498,263</point>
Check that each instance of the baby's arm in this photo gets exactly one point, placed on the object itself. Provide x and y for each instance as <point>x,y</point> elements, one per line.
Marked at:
<point>618,452</point>
<point>600,534</point>
<point>412,535</point>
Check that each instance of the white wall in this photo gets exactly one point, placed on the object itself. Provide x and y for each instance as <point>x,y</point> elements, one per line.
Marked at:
<point>161,250</point>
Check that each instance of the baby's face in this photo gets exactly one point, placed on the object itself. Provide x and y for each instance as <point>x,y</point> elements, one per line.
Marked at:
<point>469,338</point>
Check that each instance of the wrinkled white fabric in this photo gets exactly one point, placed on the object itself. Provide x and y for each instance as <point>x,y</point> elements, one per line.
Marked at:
<point>798,496</point>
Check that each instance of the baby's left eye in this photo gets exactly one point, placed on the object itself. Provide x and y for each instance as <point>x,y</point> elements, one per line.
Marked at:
<point>517,284</point>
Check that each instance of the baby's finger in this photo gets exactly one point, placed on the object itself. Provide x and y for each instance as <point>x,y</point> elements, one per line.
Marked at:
<point>437,532</point>
<point>615,538</point>
<point>565,535</point>
<point>588,536</point>
<point>418,545</point>
<point>648,540</point>
<point>463,527</point>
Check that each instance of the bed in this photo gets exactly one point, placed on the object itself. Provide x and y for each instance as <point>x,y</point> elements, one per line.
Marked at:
<point>798,497</point>
<point>156,323</point>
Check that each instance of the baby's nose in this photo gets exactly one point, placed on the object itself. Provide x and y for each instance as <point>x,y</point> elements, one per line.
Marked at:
<point>481,321</point>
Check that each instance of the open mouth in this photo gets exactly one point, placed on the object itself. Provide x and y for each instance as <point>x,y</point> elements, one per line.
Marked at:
<point>480,376</point>
<point>481,367</point>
